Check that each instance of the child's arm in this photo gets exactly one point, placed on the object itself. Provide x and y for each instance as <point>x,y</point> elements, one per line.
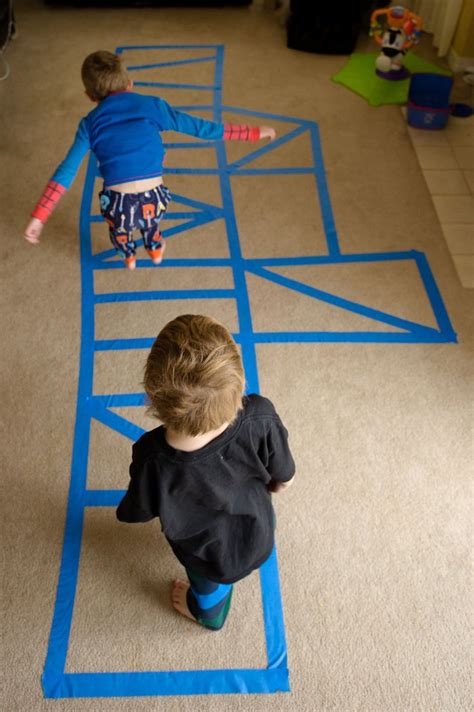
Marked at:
<point>59,183</point>
<point>173,120</point>
<point>280,464</point>
<point>243,132</point>
<point>140,503</point>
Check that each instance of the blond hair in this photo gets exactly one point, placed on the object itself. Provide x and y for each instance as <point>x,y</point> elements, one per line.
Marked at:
<point>103,73</point>
<point>194,377</point>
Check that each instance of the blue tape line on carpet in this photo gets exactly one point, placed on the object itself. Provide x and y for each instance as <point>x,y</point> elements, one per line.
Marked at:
<point>103,498</point>
<point>339,302</point>
<point>56,682</point>
<point>120,400</point>
<point>122,344</point>
<point>145,684</point>
<point>435,298</point>
<point>62,617</point>
<point>171,262</point>
<point>288,171</point>
<point>133,48</point>
<point>172,85</point>
<point>174,63</point>
<point>324,200</point>
<point>116,422</point>
<point>330,259</point>
<point>164,295</point>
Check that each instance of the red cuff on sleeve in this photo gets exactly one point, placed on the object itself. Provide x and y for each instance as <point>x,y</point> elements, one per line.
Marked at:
<point>236,132</point>
<point>48,200</point>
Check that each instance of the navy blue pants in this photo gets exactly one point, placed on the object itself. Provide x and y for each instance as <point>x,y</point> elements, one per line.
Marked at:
<point>126,212</point>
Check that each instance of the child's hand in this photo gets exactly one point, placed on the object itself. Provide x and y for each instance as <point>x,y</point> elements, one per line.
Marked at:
<point>267,132</point>
<point>33,231</point>
<point>275,486</point>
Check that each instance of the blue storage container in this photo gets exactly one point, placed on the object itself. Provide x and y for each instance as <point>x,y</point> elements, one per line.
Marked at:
<point>428,101</point>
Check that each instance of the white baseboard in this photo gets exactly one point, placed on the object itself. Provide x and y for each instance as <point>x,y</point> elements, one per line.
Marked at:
<point>458,63</point>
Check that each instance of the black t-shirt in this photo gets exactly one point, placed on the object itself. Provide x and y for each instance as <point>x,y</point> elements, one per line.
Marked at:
<point>213,503</point>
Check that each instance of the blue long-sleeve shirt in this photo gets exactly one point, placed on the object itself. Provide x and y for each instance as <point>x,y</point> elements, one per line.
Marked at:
<point>123,131</point>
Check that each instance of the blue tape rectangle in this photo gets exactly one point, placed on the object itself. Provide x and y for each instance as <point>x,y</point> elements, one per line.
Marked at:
<point>56,682</point>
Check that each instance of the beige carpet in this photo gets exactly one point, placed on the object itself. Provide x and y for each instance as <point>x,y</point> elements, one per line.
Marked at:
<point>373,539</point>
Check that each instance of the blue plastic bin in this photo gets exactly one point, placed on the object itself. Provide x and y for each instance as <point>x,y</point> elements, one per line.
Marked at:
<point>428,101</point>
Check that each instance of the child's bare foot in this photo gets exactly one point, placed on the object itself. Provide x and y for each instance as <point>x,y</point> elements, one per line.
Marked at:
<point>178,598</point>
<point>131,262</point>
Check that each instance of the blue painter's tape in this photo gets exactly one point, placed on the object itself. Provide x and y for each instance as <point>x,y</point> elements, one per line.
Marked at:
<point>103,498</point>
<point>117,422</point>
<point>120,400</point>
<point>324,200</point>
<point>63,608</point>
<point>329,259</point>
<point>289,171</point>
<point>175,63</point>
<point>145,684</point>
<point>198,262</point>
<point>168,263</point>
<point>274,678</point>
<point>164,295</point>
<point>435,298</point>
<point>131,48</point>
<point>56,683</point>
<point>339,302</point>
<point>172,85</point>
<point>273,613</point>
<point>122,344</point>
<point>146,264</point>
<point>249,356</point>
<point>431,336</point>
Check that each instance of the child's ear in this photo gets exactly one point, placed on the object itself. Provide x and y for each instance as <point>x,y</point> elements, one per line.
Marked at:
<point>130,84</point>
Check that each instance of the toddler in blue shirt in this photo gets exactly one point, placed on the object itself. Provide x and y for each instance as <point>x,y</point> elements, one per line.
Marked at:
<point>123,132</point>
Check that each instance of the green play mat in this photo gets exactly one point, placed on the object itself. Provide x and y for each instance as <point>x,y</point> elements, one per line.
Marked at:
<point>359,76</point>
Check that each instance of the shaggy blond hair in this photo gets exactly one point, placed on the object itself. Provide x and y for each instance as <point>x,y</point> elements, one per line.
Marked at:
<point>103,73</point>
<point>194,377</point>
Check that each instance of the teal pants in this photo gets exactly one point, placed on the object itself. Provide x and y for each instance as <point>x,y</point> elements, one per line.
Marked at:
<point>208,601</point>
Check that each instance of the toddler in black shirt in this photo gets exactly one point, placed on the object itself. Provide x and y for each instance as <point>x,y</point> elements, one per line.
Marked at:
<point>208,471</point>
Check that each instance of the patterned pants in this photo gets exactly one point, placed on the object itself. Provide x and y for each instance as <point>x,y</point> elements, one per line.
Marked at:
<point>126,212</point>
<point>208,601</point>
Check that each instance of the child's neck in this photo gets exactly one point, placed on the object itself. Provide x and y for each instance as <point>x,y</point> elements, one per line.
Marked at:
<point>189,443</point>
